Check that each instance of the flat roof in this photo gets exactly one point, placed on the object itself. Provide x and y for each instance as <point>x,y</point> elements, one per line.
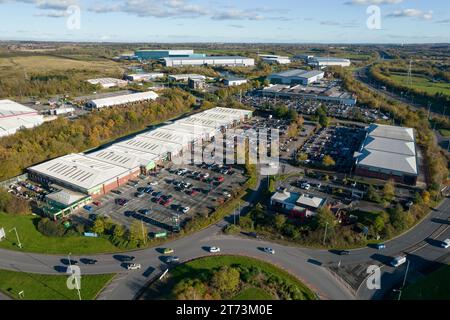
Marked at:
<point>391,132</point>
<point>141,143</point>
<point>80,171</point>
<point>124,99</point>
<point>310,201</point>
<point>123,157</point>
<point>65,196</point>
<point>207,58</point>
<point>9,108</point>
<point>105,81</point>
<point>162,134</point>
<point>330,59</point>
<point>298,73</point>
<point>390,145</point>
<point>388,161</point>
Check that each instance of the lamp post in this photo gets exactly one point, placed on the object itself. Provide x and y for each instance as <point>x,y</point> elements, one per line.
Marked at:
<point>325,235</point>
<point>19,244</point>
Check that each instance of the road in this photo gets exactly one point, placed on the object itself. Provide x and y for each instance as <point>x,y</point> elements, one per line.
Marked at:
<point>309,265</point>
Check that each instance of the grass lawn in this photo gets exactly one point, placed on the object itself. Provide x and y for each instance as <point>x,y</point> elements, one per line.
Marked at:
<point>48,287</point>
<point>33,241</point>
<point>45,64</point>
<point>202,268</point>
<point>253,294</point>
<point>422,83</point>
<point>432,287</point>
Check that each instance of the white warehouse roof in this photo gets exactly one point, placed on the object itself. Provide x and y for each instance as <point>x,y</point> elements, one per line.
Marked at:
<point>80,171</point>
<point>124,99</point>
<point>14,116</point>
<point>390,149</point>
<point>155,147</point>
<point>126,158</point>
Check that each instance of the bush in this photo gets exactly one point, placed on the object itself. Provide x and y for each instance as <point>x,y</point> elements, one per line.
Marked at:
<point>51,228</point>
<point>232,229</point>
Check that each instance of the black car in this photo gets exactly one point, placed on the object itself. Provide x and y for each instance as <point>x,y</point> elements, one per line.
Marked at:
<point>88,261</point>
<point>344,252</point>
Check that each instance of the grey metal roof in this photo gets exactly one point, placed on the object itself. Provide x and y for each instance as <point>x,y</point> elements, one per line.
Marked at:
<point>299,73</point>
<point>391,132</point>
<point>207,58</point>
<point>390,145</point>
<point>387,161</point>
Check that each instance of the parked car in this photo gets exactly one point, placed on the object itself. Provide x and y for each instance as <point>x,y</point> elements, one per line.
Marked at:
<point>185,209</point>
<point>168,251</point>
<point>214,250</point>
<point>97,203</point>
<point>445,244</point>
<point>145,212</point>
<point>227,194</point>
<point>133,266</point>
<point>88,208</point>
<point>344,252</point>
<point>139,194</point>
<point>154,183</point>
<point>269,250</point>
<point>172,259</point>
<point>380,246</point>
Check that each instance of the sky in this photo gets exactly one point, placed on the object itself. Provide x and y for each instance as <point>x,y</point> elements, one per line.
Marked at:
<point>253,21</point>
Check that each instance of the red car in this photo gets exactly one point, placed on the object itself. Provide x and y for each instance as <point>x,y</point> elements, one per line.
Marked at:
<point>220,179</point>
<point>97,203</point>
<point>167,202</point>
<point>193,192</point>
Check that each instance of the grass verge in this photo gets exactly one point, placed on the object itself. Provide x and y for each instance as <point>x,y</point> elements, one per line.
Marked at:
<point>50,287</point>
<point>435,286</point>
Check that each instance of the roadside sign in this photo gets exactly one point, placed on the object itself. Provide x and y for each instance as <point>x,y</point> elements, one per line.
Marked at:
<point>2,234</point>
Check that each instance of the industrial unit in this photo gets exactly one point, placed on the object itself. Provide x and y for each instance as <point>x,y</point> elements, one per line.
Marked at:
<point>186,77</point>
<point>329,92</point>
<point>231,82</point>
<point>108,82</point>
<point>275,59</point>
<point>234,61</point>
<point>97,173</point>
<point>388,152</point>
<point>296,76</point>
<point>14,116</point>
<point>322,62</point>
<point>145,76</point>
<point>121,100</point>
<point>146,54</point>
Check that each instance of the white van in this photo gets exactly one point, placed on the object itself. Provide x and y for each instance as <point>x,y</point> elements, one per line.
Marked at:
<point>398,261</point>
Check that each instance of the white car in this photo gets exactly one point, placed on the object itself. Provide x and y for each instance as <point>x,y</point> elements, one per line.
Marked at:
<point>306,186</point>
<point>226,194</point>
<point>445,244</point>
<point>133,266</point>
<point>214,250</point>
<point>269,250</point>
<point>154,183</point>
<point>186,209</point>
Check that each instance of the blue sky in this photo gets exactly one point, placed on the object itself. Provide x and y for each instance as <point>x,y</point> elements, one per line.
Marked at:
<point>291,21</point>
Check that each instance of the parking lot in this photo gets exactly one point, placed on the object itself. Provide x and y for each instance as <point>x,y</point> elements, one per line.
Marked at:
<point>338,142</point>
<point>309,107</point>
<point>170,197</point>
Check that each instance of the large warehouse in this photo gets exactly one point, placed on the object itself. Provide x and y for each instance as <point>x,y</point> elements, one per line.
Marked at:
<point>388,152</point>
<point>108,82</point>
<point>161,54</point>
<point>296,76</point>
<point>329,61</point>
<point>275,59</point>
<point>14,116</point>
<point>234,61</point>
<point>99,172</point>
<point>121,100</point>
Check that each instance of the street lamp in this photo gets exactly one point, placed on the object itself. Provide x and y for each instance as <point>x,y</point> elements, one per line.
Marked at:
<point>19,244</point>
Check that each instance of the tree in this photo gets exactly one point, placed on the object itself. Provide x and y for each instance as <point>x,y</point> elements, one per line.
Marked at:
<point>380,221</point>
<point>328,161</point>
<point>372,194</point>
<point>426,197</point>
<point>280,221</point>
<point>189,290</point>
<point>302,156</point>
<point>226,279</point>
<point>99,226</point>
<point>326,219</point>
<point>138,233</point>
<point>119,231</point>
<point>246,222</point>
<point>389,191</point>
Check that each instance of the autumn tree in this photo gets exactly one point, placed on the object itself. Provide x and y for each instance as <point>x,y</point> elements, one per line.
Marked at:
<point>328,161</point>
<point>226,280</point>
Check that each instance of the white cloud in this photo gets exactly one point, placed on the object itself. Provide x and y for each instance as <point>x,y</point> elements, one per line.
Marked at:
<point>370,2</point>
<point>412,13</point>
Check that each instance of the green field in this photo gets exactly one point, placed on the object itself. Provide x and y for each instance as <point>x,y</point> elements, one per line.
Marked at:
<point>33,241</point>
<point>48,287</point>
<point>253,294</point>
<point>435,286</point>
<point>445,133</point>
<point>422,83</point>
<point>203,268</point>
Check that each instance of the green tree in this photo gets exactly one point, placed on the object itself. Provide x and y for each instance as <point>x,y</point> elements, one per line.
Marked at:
<point>246,222</point>
<point>328,161</point>
<point>99,226</point>
<point>302,156</point>
<point>280,221</point>
<point>119,231</point>
<point>226,279</point>
<point>326,219</point>
<point>138,233</point>
<point>389,191</point>
<point>372,194</point>
<point>189,290</point>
